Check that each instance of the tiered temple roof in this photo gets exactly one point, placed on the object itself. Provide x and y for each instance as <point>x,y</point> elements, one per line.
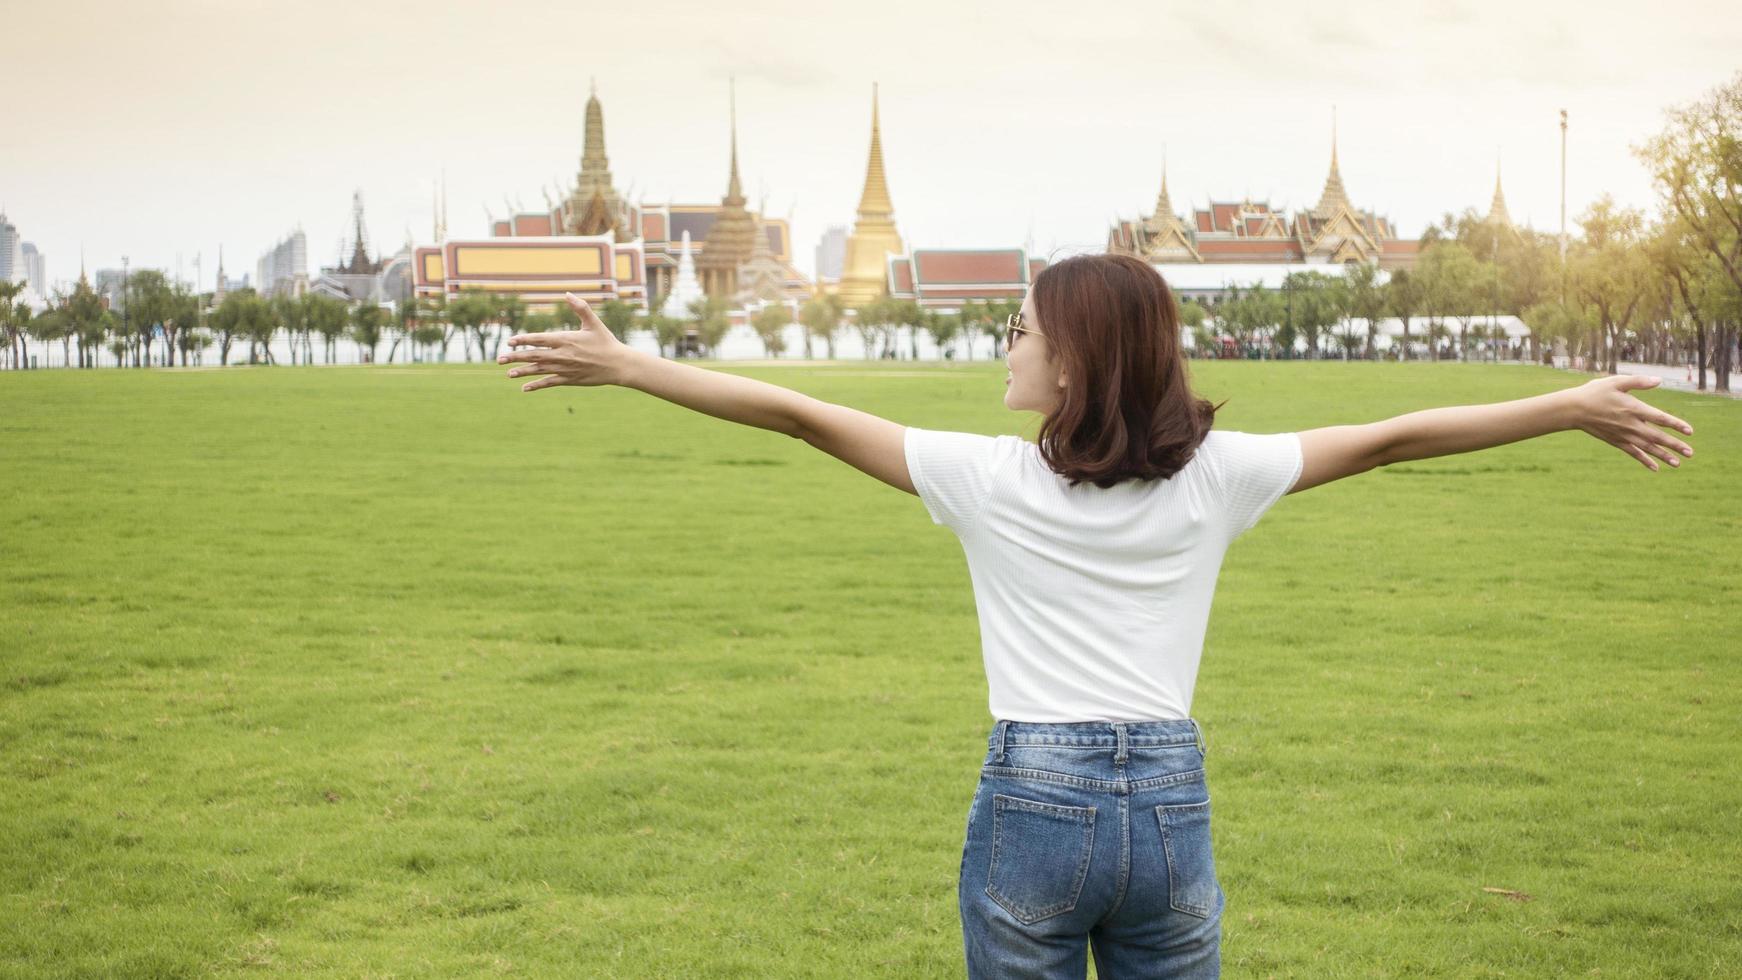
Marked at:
<point>946,278</point>
<point>1247,231</point>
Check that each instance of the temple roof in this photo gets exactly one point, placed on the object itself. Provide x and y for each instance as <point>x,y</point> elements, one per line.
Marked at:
<point>1334,196</point>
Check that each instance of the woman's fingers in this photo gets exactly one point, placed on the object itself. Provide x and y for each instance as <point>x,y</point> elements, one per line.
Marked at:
<point>1663,453</point>
<point>1634,451</point>
<point>549,381</point>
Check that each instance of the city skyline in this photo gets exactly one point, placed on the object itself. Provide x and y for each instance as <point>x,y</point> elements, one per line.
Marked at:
<point>175,131</point>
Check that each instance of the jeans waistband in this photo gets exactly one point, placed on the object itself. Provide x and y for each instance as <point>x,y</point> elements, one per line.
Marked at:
<point>1120,734</point>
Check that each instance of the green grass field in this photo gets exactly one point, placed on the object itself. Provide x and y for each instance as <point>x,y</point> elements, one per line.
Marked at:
<point>400,672</point>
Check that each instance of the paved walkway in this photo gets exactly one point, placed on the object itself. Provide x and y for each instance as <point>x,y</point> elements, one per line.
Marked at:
<point>1682,378</point>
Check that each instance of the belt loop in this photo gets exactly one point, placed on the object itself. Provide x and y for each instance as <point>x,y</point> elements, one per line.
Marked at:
<point>1120,755</point>
<point>1198,730</point>
<point>1003,726</point>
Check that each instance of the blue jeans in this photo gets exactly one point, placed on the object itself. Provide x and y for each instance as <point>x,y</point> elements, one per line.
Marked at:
<point>1091,833</point>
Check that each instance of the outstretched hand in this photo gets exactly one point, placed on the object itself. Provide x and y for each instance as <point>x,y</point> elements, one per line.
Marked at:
<point>591,355</point>
<point>1608,412</point>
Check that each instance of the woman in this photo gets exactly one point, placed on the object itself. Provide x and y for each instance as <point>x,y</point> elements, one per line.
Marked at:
<point>1094,556</point>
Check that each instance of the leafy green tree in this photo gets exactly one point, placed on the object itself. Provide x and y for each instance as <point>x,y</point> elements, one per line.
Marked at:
<point>184,315</point>
<point>1612,272</point>
<point>327,316</point>
<point>943,327</point>
<point>668,331</point>
<point>150,304</point>
<point>770,326</point>
<point>908,314</point>
<point>1450,277</point>
<point>1404,296</point>
<point>367,320</point>
<point>293,313</point>
<point>473,314</point>
<point>243,315</point>
<point>1364,299</point>
<point>511,315</point>
<point>709,319</point>
<point>869,320</point>
<point>11,321</point>
<point>821,317</point>
<point>51,325</point>
<point>618,317</point>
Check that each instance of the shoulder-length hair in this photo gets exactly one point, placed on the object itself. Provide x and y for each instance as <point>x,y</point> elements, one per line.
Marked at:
<point>1127,410</point>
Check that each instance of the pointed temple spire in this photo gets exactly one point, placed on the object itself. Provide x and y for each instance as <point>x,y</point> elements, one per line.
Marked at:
<point>1163,206</point>
<point>1334,195</point>
<point>874,200</point>
<point>1497,213</point>
<point>864,275</point>
<point>734,186</point>
<point>729,240</point>
<point>594,179</point>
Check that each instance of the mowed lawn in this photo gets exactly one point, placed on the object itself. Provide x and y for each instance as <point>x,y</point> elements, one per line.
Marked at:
<point>400,672</point>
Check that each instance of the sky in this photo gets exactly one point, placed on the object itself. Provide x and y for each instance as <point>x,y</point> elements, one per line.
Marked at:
<point>168,130</point>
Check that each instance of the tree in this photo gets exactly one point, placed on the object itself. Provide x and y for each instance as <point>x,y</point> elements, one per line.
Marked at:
<point>86,321</point>
<point>259,323</point>
<point>618,317</point>
<point>473,314</point>
<point>1365,300</point>
<point>184,316</point>
<point>942,327</point>
<point>1403,296</point>
<point>908,314</point>
<point>150,303</point>
<point>367,319</point>
<point>709,320</point>
<point>51,325</point>
<point>293,313</point>
<point>868,321</point>
<point>1696,166</point>
<point>1451,279</point>
<point>1611,273</point>
<point>821,317</point>
<point>328,317</point>
<point>11,322</point>
<point>511,316</point>
<point>770,326</point>
<point>242,315</point>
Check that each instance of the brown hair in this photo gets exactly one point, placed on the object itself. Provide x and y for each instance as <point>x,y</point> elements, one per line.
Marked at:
<point>1127,410</point>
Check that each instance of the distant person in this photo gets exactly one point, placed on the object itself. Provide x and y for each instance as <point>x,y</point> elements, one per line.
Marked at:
<point>1094,556</point>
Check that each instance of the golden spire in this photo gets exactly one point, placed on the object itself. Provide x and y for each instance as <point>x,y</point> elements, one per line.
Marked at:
<point>1497,213</point>
<point>1163,206</point>
<point>1334,196</point>
<point>864,273</point>
<point>734,189</point>
<point>874,202</point>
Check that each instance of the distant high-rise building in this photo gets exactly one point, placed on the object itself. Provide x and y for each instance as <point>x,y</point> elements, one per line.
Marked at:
<point>832,253</point>
<point>11,258</point>
<point>107,283</point>
<point>283,271</point>
<point>35,271</point>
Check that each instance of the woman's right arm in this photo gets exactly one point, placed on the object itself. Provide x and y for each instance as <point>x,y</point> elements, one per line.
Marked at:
<point>1601,407</point>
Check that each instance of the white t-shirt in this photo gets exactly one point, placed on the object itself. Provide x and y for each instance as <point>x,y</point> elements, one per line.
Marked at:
<point>1093,602</point>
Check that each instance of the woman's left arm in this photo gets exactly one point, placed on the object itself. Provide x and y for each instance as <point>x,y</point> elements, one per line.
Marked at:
<point>1600,407</point>
<point>593,356</point>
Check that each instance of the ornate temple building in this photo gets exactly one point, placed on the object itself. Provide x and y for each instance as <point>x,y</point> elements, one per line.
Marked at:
<point>1252,232</point>
<point>865,273</point>
<point>595,242</point>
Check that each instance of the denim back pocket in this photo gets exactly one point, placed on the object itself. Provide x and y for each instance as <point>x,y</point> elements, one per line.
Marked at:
<point>1040,856</point>
<point>1191,870</point>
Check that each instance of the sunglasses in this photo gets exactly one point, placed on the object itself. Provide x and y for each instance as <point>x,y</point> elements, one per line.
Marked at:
<point>1013,323</point>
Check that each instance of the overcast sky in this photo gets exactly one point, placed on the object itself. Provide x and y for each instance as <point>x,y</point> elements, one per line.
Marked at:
<point>171,128</point>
